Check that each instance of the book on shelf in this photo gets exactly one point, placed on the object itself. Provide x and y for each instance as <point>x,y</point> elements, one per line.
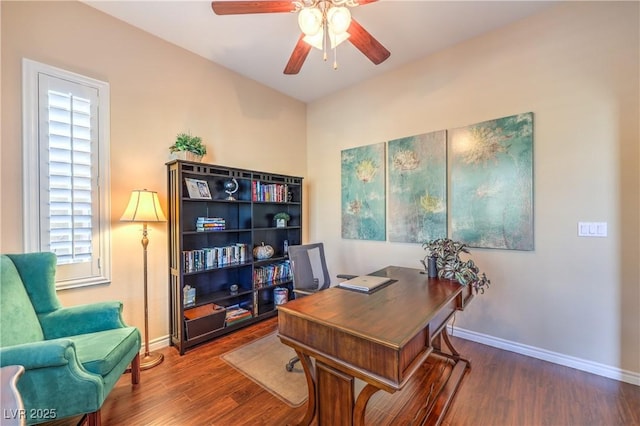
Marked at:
<point>236,314</point>
<point>214,257</point>
<point>268,274</point>
<point>269,192</point>
<point>204,224</point>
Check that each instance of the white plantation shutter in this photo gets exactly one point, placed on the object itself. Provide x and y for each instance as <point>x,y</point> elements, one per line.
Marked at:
<point>67,145</point>
<point>69,191</point>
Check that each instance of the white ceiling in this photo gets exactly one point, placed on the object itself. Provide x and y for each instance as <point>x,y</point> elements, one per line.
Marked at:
<point>258,46</point>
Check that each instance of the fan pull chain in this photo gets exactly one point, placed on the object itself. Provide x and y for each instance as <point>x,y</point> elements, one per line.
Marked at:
<point>325,37</point>
<point>335,58</point>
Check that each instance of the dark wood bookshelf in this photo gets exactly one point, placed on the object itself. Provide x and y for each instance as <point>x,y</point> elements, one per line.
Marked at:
<point>248,222</point>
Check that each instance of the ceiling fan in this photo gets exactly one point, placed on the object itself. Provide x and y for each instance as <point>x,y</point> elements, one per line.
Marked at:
<point>324,25</point>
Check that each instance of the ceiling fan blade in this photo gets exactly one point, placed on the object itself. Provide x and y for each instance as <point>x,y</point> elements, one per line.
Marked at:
<point>298,56</point>
<point>243,7</point>
<point>369,46</point>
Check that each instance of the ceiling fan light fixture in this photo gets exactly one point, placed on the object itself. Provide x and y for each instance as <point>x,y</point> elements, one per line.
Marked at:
<point>338,19</point>
<point>317,39</point>
<point>324,24</point>
<point>310,20</point>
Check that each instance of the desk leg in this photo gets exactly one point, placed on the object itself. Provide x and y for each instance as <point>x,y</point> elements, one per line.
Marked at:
<point>361,404</point>
<point>335,396</point>
<point>309,373</point>
<point>453,353</point>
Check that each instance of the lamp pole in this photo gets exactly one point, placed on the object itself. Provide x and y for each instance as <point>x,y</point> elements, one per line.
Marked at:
<point>144,207</point>
<point>148,360</point>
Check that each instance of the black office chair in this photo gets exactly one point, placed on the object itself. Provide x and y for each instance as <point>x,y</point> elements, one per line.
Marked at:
<point>310,274</point>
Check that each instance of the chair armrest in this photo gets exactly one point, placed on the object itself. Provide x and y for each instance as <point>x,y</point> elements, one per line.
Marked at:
<point>82,319</point>
<point>48,353</point>
<point>304,292</point>
<point>54,381</point>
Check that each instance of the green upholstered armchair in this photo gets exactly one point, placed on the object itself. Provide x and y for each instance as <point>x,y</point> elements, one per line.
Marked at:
<point>72,356</point>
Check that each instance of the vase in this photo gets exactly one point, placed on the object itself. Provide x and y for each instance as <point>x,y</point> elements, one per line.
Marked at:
<point>186,156</point>
<point>432,268</point>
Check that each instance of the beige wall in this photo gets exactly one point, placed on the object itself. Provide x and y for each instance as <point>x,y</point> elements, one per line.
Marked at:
<point>575,66</point>
<point>157,91</point>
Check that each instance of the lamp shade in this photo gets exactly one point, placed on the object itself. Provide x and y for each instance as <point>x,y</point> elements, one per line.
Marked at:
<point>143,206</point>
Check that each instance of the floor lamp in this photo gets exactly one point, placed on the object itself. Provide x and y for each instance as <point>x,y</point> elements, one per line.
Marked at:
<point>144,207</point>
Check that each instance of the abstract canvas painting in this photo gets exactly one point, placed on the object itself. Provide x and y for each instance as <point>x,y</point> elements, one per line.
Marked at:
<point>363,192</point>
<point>492,183</point>
<point>418,188</point>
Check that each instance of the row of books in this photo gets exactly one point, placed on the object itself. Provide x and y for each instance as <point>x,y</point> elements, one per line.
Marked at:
<point>205,224</point>
<point>236,314</point>
<point>214,257</point>
<point>264,275</point>
<point>274,192</point>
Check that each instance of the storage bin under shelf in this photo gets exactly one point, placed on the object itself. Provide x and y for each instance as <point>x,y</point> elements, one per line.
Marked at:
<point>203,319</point>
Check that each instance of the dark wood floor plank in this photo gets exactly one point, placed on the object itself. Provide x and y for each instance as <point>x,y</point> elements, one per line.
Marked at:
<point>501,389</point>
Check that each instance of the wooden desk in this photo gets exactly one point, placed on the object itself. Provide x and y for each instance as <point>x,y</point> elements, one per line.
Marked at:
<point>381,338</point>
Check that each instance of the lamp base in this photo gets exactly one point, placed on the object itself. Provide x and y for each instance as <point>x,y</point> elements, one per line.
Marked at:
<point>150,360</point>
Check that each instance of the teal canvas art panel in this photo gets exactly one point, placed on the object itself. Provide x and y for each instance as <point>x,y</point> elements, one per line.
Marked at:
<point>492,183</point>
<point>363,192</point>
<point>418,188</point>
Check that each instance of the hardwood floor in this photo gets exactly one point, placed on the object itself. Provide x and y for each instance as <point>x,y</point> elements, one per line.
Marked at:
<point>502,388</point>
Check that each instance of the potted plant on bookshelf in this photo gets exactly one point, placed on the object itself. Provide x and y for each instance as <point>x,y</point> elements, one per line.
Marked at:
<point>187,147</point>
<point>281,219</point>
<point>446,255</point>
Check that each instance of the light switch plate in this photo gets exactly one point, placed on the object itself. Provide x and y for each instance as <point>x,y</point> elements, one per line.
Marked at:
<point>592,229</point>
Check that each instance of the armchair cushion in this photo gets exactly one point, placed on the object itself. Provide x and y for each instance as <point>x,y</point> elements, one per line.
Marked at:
<point>100,352</point>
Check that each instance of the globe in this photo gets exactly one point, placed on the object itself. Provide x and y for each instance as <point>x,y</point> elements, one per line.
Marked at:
<point>231,187</point>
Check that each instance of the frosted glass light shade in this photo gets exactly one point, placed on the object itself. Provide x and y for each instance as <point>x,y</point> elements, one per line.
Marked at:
<point>339,19</point>
<point>310,20</point>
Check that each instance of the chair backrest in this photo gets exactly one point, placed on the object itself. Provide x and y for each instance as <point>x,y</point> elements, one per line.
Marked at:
<point>18,319</point>
<point>309,267</point>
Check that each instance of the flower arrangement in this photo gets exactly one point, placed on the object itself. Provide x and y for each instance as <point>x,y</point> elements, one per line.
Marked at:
<point>451,266</point>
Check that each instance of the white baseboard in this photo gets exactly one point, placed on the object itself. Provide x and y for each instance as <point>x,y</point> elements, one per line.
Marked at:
<point>157,343</point>
<point>554,357</point>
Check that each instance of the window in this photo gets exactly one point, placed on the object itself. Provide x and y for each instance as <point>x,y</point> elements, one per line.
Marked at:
<point>66,166</point>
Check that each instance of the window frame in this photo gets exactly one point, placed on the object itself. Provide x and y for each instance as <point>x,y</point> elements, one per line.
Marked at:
<point>32,183</point>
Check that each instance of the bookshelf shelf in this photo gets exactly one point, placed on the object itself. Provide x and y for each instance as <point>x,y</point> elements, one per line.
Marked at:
<point>211,241</point>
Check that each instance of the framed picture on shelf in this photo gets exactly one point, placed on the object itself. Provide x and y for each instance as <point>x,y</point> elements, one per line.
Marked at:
<point>198,189</point>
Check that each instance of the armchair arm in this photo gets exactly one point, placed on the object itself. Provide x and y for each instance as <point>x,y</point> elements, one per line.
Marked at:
<point>54,383</point>
<point>82,319</point>
<point>48,353</point>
